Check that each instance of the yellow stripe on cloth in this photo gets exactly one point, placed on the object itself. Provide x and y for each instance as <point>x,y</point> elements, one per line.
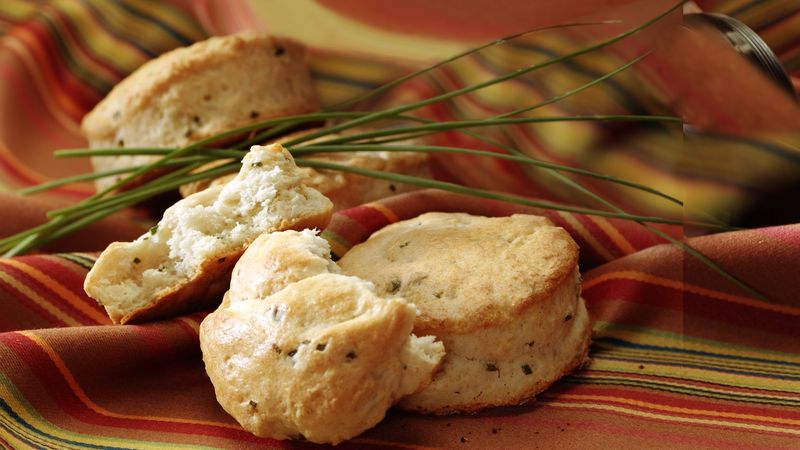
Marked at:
<point>58,288</point>
<point>58,437</point>
<point>686,287</point>
<point>386,212</point>
<point>36,298</point>
<point>613,234</point>
<point>78,391</point>
<point>666,417</point>
<point>586,235</point>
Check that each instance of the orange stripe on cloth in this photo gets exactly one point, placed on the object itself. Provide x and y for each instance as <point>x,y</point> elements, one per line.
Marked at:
<point>586,235</point>
<point>65,294</point>
<point>643,277</point>
<point>613,234</point>
<point>79,392</point>
<point>388,213</point>
<point>65,114</point>
<point>37,299</point>
<point>680,413</point>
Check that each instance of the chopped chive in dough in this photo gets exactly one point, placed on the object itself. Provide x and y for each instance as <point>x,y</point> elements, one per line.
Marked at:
<point>438,294</point>
<point>256,164</point>
<point>526,369</point>
<point>196,119</point>
<point>277,313</point>
<point>276,349</point>
<point>351,355</point>
<point>530,344</point>
<point>154,229</point>
<point>120,143</point>
<point>253,404</point>
<point>491,367</point>
<point>395,286</point>
<point>136,260</point>
<point>321,347</point>
<point>404,244</point>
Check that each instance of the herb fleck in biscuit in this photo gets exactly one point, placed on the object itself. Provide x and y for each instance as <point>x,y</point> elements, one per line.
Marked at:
<point>503,294</point>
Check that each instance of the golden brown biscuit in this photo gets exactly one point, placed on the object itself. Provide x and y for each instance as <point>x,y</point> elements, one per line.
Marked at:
<point>276,260</point>
<point>503,294</point>
<point>295,351</point>
<point>195,92</point>
<point>185,261</point>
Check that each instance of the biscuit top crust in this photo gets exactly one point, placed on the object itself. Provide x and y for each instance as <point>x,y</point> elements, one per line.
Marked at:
<point>466,272</point>
<point>153,79</point>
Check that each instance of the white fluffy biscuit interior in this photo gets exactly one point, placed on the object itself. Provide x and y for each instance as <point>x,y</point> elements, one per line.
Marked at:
<point>203,227</point>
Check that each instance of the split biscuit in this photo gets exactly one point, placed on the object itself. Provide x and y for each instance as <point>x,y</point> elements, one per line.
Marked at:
<point>184,263</point>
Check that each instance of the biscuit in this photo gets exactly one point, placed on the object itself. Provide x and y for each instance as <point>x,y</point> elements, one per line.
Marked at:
<point>184,263</point>
<point>195,92</point>
<point>503,294</point>
<point>296,352</point>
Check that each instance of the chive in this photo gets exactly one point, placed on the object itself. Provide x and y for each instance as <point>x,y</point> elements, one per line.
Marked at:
<point>517,157</point>
<point>491,367</point>
<point>395,286</point>
<point>154,229</point>
<point>526,369</point>
<point>321,347</point>
<point>136,260</point>
<point>276,349</point>
<point>453,187</point>
<point>516,73</point>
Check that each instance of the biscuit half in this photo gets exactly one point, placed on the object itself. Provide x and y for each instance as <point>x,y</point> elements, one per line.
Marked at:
<point>503,294</point>
<point>184,263</point>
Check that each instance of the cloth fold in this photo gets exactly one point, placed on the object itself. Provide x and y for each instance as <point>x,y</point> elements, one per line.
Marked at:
<point>679,359</point>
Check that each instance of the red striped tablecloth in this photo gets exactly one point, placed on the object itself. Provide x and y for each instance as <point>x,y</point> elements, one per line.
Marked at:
<point>681,358</point>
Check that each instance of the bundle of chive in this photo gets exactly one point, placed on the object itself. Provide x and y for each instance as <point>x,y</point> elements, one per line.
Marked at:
<point>186,164</point>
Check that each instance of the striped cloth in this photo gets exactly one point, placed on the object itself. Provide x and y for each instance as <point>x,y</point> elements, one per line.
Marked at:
<point>681,358</point>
